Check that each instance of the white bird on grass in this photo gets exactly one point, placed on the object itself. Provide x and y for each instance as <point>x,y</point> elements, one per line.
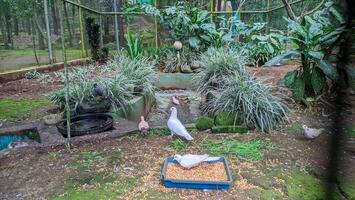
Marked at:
<point>311,133</point>
<point>189,161</point>
<point>143,125</point>
<point>176,127</point>
<point>176,101</point>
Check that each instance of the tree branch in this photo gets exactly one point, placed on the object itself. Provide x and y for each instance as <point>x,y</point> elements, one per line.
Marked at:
<point>312,11</point>
<point>289,10</point>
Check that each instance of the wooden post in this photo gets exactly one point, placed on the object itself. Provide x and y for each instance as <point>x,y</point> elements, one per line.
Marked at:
<point>81,31</point>
<point>49,42</point>
<point>116,26</point>
<point>67,108</point>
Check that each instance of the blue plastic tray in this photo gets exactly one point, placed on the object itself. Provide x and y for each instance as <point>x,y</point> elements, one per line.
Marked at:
<point>209,185</point>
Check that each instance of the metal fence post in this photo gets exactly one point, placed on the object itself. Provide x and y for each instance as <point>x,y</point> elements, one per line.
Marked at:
<point>81,30</point>
<point>66,74</point>
<point>156,27</point>
<point>116,26</point>
<point>49,42</point>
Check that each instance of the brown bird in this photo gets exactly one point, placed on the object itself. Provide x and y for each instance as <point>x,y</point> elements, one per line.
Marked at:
<point>143,126</point>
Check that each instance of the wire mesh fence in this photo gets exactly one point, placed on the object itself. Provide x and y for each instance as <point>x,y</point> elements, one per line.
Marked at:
<point>30,32</point>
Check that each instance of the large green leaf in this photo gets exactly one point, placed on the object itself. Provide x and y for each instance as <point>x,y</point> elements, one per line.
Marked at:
<point>279,58</point>
<point>328,69</point>
<point>337,15</point>
<point>316,54</point>
<point>290,78</point>
<point>194,42</point>
<point>350,71</point>
<point>317,80</point>
<point>298,88</point>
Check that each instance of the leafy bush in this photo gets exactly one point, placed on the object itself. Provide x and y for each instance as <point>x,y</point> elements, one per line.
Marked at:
<point>139,70</point>
<point>173,60</point>
<point>314,38</point>
<point>217,66</point>
<point>93,31</point>
<point>191,24</point>
<point>250,100</point>
<point>204,123</point>
<point>225,119</point>
<point>134,48</point>
<point>261,48</point>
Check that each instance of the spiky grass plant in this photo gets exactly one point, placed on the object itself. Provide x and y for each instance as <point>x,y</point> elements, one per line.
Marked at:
<point>140,71</point>
<point>217,66</point>
<point>116,89</point>
<point>251,101</point>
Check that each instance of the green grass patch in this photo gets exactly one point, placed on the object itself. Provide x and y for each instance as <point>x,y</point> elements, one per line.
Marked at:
<point>178,145</point>
<point>295,129</point>
<point>71,53</point>
<point>304,186</point>
<point>156,195</point>
<point>12,109</point>
<point>92,177</point>
<point>104,191</point>
<point>245,149</point>
<point>347,185</point>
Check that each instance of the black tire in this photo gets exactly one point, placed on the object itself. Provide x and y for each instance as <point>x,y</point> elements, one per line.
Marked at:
<point>106,125</point>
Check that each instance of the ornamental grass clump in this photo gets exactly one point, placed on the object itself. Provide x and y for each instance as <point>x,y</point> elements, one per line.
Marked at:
<point>217,66</point>
<point>116,89</point>
<point>139,70</point>
<point>250,100</point>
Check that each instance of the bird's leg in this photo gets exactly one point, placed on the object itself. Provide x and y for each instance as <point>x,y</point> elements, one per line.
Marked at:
<point>171,134</point>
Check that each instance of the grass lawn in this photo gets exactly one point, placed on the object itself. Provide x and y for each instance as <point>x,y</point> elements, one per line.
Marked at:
<point>12,109</point>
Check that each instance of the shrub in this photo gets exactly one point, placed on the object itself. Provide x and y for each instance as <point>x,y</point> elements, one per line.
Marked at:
<point>229,129</point>
<point>217,66</point>
<point>250,100</point>
<point>314,38</point>
<point>82,92</point>
<point>225,119</point>
<point>204,123</point>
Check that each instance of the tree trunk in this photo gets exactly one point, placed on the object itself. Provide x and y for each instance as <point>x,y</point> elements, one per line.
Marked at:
<point>70,36</point>
<point>55,18</point>
<point>106,28</point>
<point>219,5</point>
<point>8,42</point>
<point>16,27</point>
<point>120,25</point>
<point>28,26</point>
<point>41,44</point>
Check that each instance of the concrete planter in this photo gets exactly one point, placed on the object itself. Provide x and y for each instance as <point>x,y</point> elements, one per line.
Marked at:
<point>139,106</point>
<point>175,80</point>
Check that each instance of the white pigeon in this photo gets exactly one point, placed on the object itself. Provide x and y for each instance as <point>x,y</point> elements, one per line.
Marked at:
<point>176,127</point>
<point>176,101</point>
<point>143,126</point>
<point>311,133</point>
<point>189,161</point>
